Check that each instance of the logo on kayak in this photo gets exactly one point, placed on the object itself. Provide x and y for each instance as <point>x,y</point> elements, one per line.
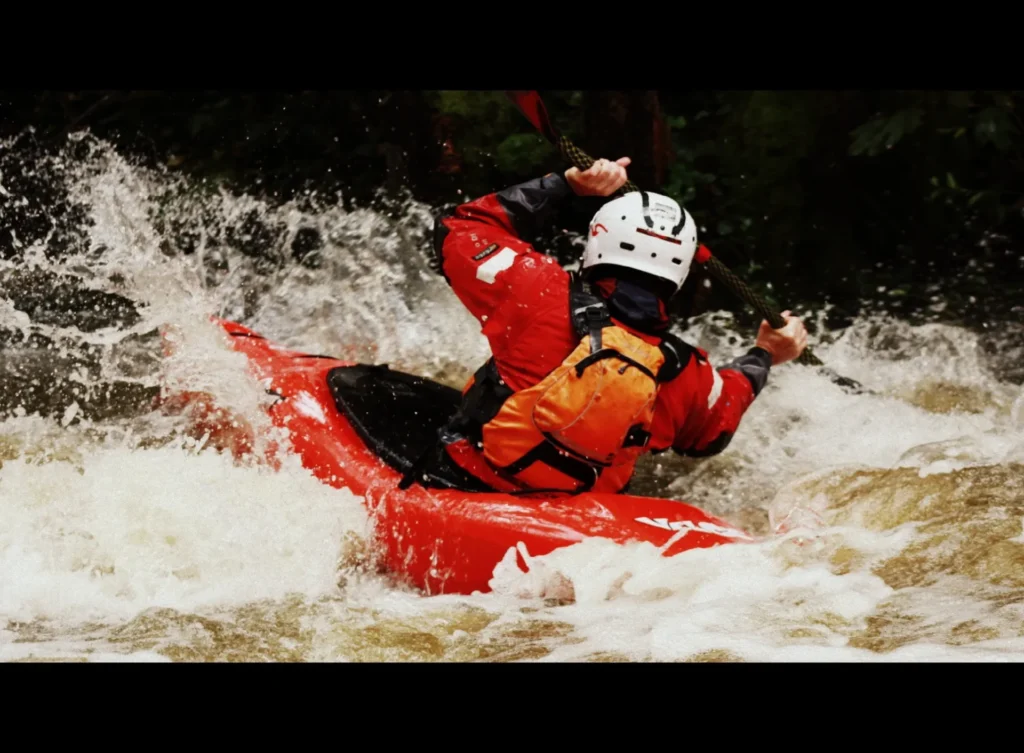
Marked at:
<point>307,405</point>
<point>705,526</point>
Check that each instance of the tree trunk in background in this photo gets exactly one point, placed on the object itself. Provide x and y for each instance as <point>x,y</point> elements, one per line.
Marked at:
<point>628,124</point>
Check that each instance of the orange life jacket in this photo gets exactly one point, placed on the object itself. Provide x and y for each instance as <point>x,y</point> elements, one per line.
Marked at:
<point>585,424</point>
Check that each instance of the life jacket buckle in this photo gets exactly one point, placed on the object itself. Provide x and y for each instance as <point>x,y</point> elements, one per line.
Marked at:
<point>594,318</point>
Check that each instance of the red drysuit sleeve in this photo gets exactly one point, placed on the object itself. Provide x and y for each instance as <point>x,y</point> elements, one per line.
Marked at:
<point>519,295</point>
<point>479,239</point>
<point>707,404</point>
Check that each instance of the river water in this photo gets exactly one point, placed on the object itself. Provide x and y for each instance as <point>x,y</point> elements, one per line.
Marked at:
<point>889,523</point>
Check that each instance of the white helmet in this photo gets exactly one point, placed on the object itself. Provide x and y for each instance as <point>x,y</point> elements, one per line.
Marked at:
<point>644,231</point>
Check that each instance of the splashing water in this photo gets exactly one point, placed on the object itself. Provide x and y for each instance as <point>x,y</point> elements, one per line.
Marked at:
<point>890,523</point>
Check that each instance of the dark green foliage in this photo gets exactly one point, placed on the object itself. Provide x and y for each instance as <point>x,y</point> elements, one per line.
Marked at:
<point>808,195</point>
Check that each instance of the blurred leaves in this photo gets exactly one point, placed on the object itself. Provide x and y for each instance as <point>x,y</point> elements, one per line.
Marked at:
<point>523,153</point>
<point>820,194</point>
<point>884,132</point>
<point>994,125</point>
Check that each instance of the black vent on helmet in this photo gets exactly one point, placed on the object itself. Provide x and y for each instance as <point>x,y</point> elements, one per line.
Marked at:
<point>681,225</point>
<point>647,205</point>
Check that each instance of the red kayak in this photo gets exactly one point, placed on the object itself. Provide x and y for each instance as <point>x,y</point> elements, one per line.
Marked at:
<point>362,426</point>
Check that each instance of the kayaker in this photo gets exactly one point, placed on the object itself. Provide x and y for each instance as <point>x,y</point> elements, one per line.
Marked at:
<point>568,401</point>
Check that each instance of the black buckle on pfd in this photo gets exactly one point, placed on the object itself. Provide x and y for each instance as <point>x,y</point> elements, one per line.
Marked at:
<point>589,314</point>
<point>596,318</point>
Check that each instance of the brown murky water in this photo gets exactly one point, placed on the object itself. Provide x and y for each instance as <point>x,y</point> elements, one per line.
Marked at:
<point>901,512</point>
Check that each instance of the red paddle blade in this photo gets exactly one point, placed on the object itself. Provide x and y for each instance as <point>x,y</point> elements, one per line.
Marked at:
<point>532,106</point>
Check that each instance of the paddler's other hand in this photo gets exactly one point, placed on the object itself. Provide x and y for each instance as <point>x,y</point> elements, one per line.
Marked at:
<point>783,344</point>
<point>603,178</point>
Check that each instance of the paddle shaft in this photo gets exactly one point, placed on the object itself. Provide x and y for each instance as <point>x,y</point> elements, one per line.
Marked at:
<point>532,106</point>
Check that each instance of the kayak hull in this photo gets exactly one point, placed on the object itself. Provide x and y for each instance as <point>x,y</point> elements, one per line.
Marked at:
<point>447,540</point>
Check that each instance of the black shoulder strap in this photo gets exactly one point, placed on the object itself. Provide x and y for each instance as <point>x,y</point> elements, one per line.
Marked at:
<point>589,314</point>
<point>677,354</point>
<point>481,402</point>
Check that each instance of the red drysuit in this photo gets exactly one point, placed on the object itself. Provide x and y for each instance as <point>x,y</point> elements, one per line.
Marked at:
<point>520,298</point>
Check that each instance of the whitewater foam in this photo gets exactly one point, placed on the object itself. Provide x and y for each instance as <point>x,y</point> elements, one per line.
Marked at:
<point>117,525</point>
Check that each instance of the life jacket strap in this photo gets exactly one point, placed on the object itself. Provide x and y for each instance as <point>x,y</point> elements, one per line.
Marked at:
<point>588,312</point>
<point>481,403</point>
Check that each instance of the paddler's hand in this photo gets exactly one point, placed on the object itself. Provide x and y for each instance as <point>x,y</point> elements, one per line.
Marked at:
<point>603,178</point>
<point>783,344</point>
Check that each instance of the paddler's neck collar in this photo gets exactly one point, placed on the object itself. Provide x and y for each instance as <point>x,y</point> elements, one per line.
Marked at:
<point>633,304</point>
